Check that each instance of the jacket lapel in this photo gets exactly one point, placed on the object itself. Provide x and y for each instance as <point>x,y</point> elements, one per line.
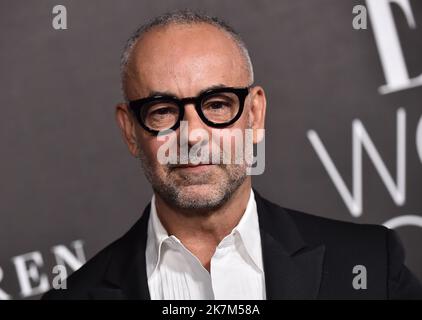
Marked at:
<point>292,268</point>
<point>126,276</point>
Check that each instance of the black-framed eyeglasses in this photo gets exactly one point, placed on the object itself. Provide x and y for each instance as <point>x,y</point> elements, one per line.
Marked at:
<point>217,108</point>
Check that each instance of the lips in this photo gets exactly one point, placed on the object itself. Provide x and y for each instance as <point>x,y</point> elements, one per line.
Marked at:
<point>192,165</point>
<point>197,168</point>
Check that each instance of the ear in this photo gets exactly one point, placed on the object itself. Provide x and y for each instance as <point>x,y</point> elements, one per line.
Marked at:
<point>127,124</point>
<point>258,106</point>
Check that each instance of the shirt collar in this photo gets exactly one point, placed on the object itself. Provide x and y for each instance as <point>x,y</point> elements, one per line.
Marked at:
<point>157,235</point>
<point>247,228</point>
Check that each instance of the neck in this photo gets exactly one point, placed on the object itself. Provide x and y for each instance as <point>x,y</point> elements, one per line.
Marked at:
<point>202,233</point>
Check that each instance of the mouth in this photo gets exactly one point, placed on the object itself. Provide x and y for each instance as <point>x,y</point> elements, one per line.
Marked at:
<point>193,167</point>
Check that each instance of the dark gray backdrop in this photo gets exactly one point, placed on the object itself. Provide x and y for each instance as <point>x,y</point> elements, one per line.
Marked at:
<point>66,174</point>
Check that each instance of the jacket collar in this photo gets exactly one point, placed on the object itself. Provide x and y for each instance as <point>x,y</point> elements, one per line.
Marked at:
<point>292,268</point>
<point>126,273</point>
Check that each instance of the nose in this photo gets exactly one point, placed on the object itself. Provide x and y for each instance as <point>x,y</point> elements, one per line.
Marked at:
<point>195,125</point>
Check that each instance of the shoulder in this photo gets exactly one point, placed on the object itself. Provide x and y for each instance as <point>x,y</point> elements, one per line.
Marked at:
<point>351,248</point>
<point>314,228</point>
<point>345,243</point>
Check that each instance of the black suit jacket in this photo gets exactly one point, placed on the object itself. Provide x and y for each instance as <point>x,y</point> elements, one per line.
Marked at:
<point>305,257</point>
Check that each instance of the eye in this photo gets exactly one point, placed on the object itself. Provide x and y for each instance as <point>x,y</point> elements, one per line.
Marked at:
<point>163,111</point>
<point>217,106</point>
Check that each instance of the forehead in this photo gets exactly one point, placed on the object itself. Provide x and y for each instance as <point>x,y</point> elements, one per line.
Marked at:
<point>184,59</point>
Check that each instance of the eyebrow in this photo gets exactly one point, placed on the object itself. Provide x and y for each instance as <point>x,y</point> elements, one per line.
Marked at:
<point>171,94</point>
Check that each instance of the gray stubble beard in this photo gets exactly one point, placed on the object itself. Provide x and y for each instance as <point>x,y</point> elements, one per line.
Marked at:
<point>171,190</point>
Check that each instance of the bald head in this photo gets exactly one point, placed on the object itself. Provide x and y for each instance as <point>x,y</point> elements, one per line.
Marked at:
<point>183,48</point>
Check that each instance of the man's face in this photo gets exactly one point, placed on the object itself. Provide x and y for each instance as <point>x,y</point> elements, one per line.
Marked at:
<point>183,60</point>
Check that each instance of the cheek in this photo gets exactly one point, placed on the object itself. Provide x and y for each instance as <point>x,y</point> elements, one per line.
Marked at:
<point>148,145</point>
<point>153,146</point>
<point>230,141</point>
<point>151,150</point>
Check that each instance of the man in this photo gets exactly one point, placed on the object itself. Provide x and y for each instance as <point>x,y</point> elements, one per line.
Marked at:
<point>206,234</point>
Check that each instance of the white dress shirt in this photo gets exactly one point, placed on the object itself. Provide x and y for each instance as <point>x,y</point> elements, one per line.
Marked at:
<point>236,270</point>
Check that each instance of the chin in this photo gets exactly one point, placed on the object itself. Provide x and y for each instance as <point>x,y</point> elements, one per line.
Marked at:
<point>200,196</point>
<point>199,190</point>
